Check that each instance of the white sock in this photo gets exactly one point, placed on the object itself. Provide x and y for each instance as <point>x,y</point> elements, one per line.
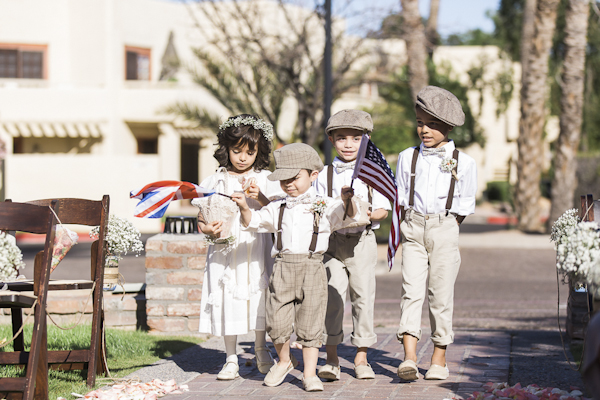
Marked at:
<point>230,348</point>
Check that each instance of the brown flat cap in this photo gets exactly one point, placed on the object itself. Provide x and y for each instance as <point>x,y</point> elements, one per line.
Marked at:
<point>441,104</point>
<point>292,158</point>
<point>353,119</point>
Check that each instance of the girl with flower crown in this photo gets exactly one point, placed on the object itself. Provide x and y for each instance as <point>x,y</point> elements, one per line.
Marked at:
<point>238,263</point>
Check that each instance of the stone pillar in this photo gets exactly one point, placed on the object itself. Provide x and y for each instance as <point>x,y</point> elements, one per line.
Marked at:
<point>174,273</point>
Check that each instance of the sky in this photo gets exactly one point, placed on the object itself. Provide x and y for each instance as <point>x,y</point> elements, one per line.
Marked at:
<point>455,16</point>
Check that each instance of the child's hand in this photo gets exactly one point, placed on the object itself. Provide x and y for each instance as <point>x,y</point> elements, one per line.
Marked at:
<point>253,191</point>
<point>240,200</point>
<point>212,229</point>
<point>347,193</point>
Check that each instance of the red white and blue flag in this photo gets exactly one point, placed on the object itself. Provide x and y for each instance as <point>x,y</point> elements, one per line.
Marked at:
<point>372,168</point>
<point>155,197</point>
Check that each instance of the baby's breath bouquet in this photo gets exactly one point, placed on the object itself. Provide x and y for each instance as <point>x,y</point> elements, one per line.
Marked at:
<point>577,246</point>
<point>11,258</point>
<point>121,237</point>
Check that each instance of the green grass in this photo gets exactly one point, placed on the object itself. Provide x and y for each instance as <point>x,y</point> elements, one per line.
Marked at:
<point>127,351</point>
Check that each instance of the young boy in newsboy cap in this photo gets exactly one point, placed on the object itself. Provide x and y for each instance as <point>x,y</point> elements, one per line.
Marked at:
<point>302,223</point>
<point>437,185</point>
<point>350,260</point>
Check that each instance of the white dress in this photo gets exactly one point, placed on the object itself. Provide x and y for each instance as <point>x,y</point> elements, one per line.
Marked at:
<point>235,281</point>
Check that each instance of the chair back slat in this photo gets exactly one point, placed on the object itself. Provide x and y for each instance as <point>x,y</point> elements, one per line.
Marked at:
<point>76,211</point>
<point>24,217</point>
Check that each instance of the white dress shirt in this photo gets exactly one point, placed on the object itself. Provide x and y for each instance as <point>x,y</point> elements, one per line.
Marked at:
<point>361,190</point>
<point>432,184</point>
<point>297,225</point>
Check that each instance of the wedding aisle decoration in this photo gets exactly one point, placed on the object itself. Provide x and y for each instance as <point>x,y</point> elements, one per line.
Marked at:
<point>11,258</point>
<point>498,391</point>
<point>577,246</point>
<point>121,237</point>
<point>135,390</point>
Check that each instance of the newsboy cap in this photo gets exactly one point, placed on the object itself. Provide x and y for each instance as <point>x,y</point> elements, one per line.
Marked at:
<point>292,158</point>
<point>441,104</point>
<point>353,119</point>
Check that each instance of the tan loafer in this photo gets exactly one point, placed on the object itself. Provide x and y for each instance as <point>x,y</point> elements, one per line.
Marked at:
<point>364,371</point>
<point>277,374</point>
<point>329,372</point>
<point>229,372</point>
<point>312,384</point>
<point>437,372</point>
<point>263,365</point>
<point>408,370</point>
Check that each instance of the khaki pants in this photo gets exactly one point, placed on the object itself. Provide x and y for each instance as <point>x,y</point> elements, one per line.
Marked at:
<point>350,262</point>
<point>297,299</point>
<point>429,249</point>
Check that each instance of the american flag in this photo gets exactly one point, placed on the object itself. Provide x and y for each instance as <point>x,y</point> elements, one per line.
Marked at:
<point>155,197</point>
<point>372,168</point>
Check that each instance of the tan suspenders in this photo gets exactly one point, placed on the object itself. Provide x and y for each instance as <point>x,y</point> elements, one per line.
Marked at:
<point>413,168</point>
<point>313,242</point>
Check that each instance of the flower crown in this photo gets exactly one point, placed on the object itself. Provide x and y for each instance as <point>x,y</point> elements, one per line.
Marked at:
<point>258,124</point>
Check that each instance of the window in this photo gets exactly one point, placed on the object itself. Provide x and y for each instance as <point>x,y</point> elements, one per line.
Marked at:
<point>137,64</point>
<point>22,61</point>
<point>147,145</point>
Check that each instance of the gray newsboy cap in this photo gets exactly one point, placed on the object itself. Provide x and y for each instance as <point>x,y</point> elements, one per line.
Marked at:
<point>441,104</point>
<point>353,119</point>
<point>292,158</point>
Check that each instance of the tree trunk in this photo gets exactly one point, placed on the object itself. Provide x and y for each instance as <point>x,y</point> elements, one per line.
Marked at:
<point>416,52</point>
<point>431,30</point>
<point>527,33</point>
<point>564,182</point>
<point>531,126</point>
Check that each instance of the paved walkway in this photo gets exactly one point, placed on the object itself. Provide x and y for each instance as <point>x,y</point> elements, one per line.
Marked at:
<point>475,358</point>
<point>505,332</point>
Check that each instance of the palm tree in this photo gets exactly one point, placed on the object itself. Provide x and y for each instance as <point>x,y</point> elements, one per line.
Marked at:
<point>533,99</point>
<point>564,182</point>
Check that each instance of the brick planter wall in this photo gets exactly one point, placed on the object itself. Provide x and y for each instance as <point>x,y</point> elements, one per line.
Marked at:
<point>65,307</point>
<point>174,273</point>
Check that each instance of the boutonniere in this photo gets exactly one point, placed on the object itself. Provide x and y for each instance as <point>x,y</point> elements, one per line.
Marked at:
<point>448,164</point>
<point>318,207</point>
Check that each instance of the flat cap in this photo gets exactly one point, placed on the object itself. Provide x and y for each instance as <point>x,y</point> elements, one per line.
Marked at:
<point>292,158</point>
<point>441,104</point>
<point>353,119</point>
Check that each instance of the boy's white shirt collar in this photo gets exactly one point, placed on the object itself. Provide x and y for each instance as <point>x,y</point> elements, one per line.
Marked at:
<point>448,147</point>
<point>310,192</point>
<point>338,161</point>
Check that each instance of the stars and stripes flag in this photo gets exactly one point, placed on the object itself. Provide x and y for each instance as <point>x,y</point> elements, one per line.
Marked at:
<point>372,168</point>
<point>155,197</point>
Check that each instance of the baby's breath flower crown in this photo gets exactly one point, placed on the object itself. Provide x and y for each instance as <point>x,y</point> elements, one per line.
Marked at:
<point>258,124</point>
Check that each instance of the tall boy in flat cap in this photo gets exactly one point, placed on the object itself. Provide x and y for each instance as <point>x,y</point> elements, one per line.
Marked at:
<point>302,223</point>
<point>349,260</point>
<point>437,185</point>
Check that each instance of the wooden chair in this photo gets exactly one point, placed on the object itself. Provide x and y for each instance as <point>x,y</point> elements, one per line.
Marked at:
<point>39,220</point>
<point>88,213</point>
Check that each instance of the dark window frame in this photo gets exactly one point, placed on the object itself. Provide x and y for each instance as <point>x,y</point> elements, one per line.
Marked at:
<point>23,51</point>
<point>131,67</point>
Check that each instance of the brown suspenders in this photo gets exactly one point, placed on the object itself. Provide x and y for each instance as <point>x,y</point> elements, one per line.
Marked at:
<point>413,168</point>
<point>313,242</point>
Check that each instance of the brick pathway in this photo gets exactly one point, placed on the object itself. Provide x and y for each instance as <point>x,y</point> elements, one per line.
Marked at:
<point>475,358</point>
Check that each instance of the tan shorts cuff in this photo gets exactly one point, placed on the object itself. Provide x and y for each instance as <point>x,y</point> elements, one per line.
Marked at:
<point>310,343</point>
<point>401,332</point>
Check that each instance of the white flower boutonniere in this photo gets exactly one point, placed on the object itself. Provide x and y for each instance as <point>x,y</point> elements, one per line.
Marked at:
<point>318,208</point>
<point>448,164</point>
